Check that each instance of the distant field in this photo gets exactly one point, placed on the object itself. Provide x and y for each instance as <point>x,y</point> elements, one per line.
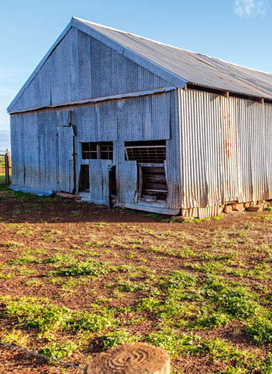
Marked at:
<point>3,178</point>
<point>76,279</point>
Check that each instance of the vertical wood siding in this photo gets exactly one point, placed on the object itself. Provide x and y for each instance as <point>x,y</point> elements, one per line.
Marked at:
<point>155,117</point>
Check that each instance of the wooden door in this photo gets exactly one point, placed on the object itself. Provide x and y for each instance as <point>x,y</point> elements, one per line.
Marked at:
<point>66,159</point>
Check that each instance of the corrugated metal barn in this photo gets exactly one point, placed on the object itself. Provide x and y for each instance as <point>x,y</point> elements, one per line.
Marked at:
<point>127,121</point>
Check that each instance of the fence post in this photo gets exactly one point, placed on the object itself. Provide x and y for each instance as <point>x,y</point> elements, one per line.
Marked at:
<point>7,166</point>
<point>131,359</point>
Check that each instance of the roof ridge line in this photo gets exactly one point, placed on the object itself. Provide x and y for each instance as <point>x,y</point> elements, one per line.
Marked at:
<point>169,45</point>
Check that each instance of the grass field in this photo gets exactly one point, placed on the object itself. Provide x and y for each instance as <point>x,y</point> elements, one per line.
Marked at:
<point>76,279</point>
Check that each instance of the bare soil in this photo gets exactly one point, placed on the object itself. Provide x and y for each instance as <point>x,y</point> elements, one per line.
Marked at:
<point>45,227</point>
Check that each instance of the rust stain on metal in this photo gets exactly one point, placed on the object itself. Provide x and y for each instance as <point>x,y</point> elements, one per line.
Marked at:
<point>227,146</point>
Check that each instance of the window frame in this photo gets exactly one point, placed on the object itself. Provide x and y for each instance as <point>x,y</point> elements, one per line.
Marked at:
<point>98,151</point>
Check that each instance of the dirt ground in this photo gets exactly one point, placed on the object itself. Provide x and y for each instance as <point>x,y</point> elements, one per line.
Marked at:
<point>76,279</point>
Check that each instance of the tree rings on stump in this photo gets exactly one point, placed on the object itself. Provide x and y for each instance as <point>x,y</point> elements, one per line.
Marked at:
<point>139,358</point>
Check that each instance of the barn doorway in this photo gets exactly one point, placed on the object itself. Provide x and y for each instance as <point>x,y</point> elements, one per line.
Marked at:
<point>152,182</point>
<point>84,179</point>
<point>112,186</point>
<point>150,157</point>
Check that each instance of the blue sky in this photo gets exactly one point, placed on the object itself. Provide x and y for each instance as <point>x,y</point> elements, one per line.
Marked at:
<point>239,31</point>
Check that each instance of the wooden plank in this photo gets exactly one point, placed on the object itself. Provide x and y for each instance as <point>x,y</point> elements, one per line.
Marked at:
<point>66,160</point>
<point>146,164</point>
<point>7,164</point>
<point>149,207</point>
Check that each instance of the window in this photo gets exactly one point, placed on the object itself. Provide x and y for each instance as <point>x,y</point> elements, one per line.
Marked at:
<point>94,151</point>
<point>146,152</point>
<point>89,151</point>
<point>106,151</point>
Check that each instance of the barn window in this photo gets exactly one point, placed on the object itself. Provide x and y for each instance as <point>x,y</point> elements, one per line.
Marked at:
<point>150,157</point>
<point>148,152</point>
<point>94,151</point>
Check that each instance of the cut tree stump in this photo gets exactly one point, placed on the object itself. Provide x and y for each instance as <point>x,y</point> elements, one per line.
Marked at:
<point>139,358</point>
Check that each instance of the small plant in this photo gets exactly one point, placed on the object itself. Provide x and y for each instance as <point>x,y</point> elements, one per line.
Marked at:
<point>233,299</point>
<point>16,337</point>
<point>59,351</point>
<point>180,279</point>
<point>210,320</point>
<point>101,224</point>
<point>259,330</point>
<point>93,322</point>
<point>129,286</point>
<point>22,260</point>
<point>118,337</point>
<point>82,268</point>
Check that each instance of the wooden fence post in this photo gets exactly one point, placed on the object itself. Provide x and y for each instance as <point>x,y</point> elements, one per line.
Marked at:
<point>131,359</point>
<point>7,166</point>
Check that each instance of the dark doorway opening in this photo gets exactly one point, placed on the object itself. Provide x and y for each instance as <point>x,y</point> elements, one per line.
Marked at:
<point>112,186</point>
<point>152,182</point>
<point>84,180</point>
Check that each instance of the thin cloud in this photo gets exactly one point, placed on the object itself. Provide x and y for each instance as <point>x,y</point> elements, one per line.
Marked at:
<point>7,74</point>
<point>250,8</point>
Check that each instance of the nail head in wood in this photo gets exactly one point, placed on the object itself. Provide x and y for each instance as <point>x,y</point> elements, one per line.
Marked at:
<point>139,358</point>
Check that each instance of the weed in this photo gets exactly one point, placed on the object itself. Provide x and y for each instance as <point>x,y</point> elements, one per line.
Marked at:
<point>93,322</point>
<point>180,278</point>
<point>45,317</point>
<point>22,260</point>
<point>118,337</point>
<point>129,286</point>
<point>259,329</point>
<point>82,268</point>
<point>6,276</point>
<point>59,351</point>
<point>16,337</point>
<point>101,224</point>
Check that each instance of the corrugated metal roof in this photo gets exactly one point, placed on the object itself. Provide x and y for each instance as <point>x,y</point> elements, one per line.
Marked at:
<point>192,67</point>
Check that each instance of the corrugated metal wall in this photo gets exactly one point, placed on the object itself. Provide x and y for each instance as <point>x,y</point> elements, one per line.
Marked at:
<point>83,68</point>
<point>225,150</point>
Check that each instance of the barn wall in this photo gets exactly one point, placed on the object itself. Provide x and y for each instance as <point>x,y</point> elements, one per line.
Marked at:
<point>82,68</point>
<point>35,147</point>
<point>226,150</point>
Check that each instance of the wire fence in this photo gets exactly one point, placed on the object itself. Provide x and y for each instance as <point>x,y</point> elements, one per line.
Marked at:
<point>5,167</point>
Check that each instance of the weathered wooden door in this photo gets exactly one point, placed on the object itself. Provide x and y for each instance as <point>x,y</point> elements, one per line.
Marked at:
<point>66,159</point>
<point>99,181</point>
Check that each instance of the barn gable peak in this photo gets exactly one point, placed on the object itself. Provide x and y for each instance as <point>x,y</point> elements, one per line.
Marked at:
<point>94,31</point>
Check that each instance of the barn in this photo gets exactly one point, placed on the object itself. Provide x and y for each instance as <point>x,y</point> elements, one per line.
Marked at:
<point>127,121</point>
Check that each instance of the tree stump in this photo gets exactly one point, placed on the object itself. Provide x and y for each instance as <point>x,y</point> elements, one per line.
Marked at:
<point>139,358</point>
